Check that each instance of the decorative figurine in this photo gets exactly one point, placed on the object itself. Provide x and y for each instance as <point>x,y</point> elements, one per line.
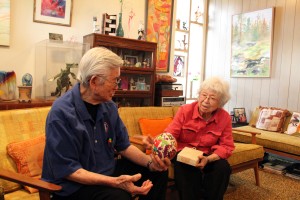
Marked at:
<point>27,80</point>
<point>184,26</point>
<point>95,26</point>
<point>63,79</point>
<point>198,14</point>
<point>25,89</point>
<point>141,31</point>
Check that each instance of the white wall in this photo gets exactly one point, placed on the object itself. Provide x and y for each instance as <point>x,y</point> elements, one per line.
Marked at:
<point>282,89</point>
<point>20,55</point>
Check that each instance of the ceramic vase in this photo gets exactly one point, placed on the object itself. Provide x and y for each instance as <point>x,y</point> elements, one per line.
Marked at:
<point>120,31</point>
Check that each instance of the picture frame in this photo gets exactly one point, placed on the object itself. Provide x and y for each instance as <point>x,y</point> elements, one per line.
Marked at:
<point>179,65</point>
<point>240,115</point>
<point>251,43</point>
<point>131,59</point>
<point>159,30</point>
<point>5,23</point>
<point>53,13</point>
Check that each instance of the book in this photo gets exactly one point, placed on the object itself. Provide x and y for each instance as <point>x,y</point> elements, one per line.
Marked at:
<point>189,156</point>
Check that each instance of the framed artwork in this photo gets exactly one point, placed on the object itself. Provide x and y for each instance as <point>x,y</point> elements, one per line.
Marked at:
<point>159,21</point>
<point>178,65</point>
<point>57,12</point>
<point>251,43</point>
<point>240,115</point>
<point>4,22</point>
<point>131,59</point>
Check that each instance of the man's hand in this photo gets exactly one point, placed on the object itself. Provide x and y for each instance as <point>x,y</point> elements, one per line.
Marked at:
<point>126,182</point>
<point>159,164</point>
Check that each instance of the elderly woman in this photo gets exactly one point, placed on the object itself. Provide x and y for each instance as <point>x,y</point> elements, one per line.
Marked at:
<point>206,126</point>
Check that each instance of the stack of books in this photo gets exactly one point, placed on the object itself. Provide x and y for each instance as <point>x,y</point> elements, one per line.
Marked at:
<point>293,171</point>
<point>276,165</point>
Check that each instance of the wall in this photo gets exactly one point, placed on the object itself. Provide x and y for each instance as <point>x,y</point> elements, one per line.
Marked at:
<point>20,55</point>
<point>282,89</point>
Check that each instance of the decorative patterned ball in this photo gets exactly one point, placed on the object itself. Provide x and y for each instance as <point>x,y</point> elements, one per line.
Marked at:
<point>165,146</point>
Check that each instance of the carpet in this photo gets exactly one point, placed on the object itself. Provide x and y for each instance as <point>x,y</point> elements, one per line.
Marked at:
<point>273,186</point>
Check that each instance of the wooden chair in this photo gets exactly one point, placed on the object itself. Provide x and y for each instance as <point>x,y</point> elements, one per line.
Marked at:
<point>45,188</point>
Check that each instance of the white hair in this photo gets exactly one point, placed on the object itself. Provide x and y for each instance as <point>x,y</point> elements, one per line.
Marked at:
<point>97,61</point>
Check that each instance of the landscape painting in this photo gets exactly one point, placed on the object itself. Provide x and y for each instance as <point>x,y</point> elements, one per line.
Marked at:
<point>251,46</point>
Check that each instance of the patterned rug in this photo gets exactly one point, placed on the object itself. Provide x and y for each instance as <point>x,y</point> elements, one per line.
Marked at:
<point>273,186</point>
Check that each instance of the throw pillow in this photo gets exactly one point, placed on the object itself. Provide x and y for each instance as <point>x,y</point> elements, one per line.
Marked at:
<point>271,119</point>
<point>294,124</point>
<point>28,156</point>
<point>153,127</point>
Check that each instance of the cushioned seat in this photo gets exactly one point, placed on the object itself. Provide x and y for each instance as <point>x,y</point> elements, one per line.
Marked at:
<point>245,152</point>
<point>271,140</point>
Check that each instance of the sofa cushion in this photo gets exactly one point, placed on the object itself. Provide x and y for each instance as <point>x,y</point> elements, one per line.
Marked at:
<point>153,127</point>
<point>294,124</point>
<point>28,156</point>
<point>272,119</point>
<point>17,125</point>
<point>245,152</point>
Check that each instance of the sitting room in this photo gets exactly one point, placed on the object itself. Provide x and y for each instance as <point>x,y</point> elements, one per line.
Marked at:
<point>169,48</point>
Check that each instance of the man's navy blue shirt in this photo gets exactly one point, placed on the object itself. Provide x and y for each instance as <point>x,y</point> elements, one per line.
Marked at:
<point>74,140</point>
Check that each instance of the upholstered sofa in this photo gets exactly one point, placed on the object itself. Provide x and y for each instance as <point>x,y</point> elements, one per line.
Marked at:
<point>22,133</point>
<point>275,141</point>
<point>21,130</point>
<point>245,156</point>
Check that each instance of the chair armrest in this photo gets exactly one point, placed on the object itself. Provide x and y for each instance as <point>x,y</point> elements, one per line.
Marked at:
<point>137,141</point>
<point>29,181</point>
<point>253,134</point>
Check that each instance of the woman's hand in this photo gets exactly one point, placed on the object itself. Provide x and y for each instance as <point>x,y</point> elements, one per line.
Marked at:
<point>203,160</point>
<point>147,142</point>
<point>126,182</point>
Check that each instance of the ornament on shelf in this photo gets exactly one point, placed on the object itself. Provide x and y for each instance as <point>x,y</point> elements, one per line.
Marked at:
<point>141,31</point>
<point>95,26</point>
<point>120,31</point>
<point>25,89</point>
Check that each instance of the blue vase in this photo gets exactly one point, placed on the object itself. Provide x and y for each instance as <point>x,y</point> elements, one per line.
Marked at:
<point>120,31</point>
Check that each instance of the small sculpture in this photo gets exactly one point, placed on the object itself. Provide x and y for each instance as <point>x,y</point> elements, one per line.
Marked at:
<point>63,79</point>
<point>198,14</point>
<point>95,26</point>
<point>141,32</point>
<point>27,79</point>
<point>184,26</point>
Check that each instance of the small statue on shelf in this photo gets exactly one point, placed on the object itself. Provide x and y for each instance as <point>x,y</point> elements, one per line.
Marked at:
<point>63,79</point>
<point>198,14</point>
<point>95,26</point>
<point>184,26</point>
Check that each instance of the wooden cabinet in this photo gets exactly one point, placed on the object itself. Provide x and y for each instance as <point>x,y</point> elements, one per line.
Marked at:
<point>137,84</point>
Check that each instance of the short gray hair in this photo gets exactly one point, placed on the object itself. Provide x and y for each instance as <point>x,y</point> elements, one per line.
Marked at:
<point>219,86</point>
<point>97,61</point>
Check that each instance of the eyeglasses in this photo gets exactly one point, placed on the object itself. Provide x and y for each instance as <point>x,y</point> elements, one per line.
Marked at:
<point>116,81</point>
<point>211,99</point>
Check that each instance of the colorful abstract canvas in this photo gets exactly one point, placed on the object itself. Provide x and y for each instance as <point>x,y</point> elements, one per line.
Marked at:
<point>4,22</point>
<point>159,30</point>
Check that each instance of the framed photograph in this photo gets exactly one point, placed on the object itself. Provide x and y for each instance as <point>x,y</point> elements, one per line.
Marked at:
<point>124,83</point>
<point>251,43</point>
<point>178,65</point>
<point>55,36</point>
<point>53,12</point>
<point>131,59</point>
<point>240,115</point>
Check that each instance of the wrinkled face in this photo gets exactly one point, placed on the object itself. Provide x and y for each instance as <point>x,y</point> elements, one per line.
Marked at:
<point>208,101</point>
<point>105,86</point>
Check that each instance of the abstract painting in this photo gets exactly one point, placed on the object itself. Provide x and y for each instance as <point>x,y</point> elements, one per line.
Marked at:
<point>4,22</point>
<point>58,12</point>
<point>159,30</point>
<point>251,45</point>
